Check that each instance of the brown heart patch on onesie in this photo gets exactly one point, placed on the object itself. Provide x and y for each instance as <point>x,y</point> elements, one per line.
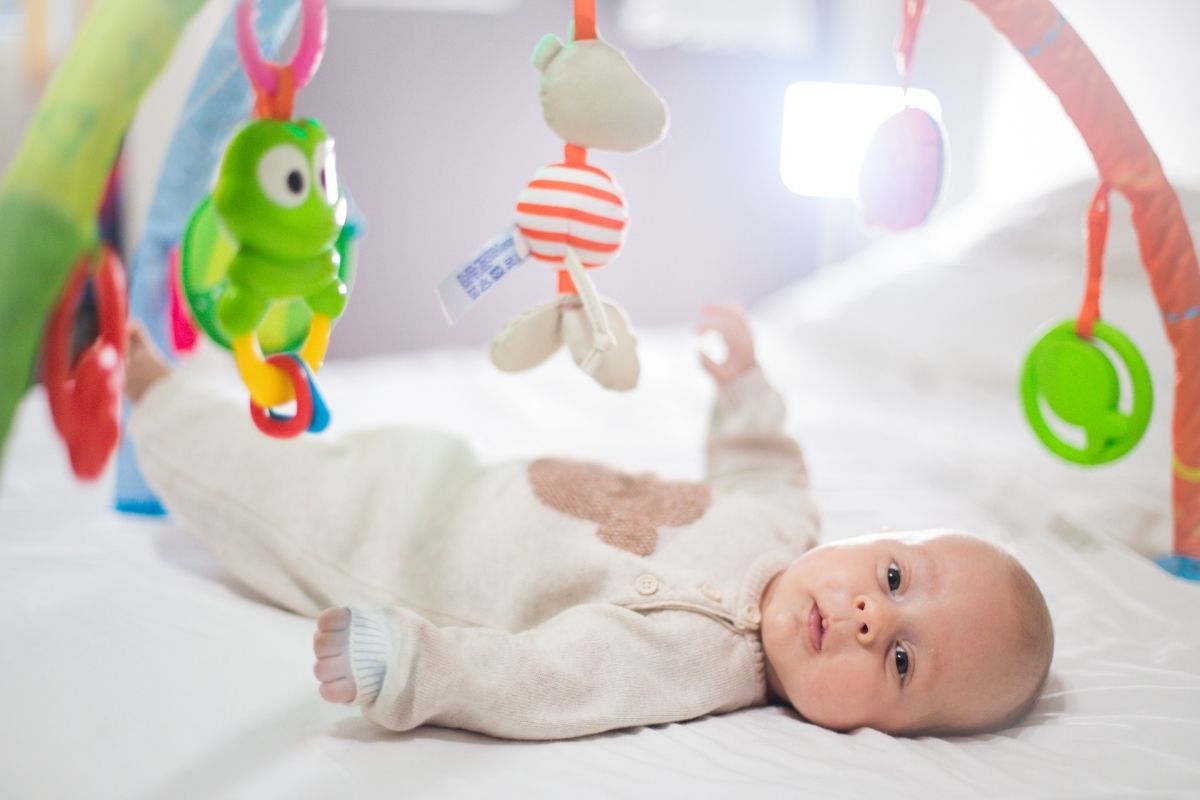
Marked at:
<point>628,508</point>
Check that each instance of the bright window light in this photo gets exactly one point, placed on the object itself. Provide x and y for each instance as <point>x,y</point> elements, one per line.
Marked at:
<point>827,128</point>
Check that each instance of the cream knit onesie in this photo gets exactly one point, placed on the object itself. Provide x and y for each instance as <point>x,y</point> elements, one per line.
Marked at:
<point>528,600</point>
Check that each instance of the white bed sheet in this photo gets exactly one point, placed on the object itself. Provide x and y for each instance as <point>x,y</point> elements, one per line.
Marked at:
<point>130,666</point>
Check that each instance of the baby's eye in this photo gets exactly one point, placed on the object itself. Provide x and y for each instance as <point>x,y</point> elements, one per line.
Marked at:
<point>901,661</point>
<point>893,576</point>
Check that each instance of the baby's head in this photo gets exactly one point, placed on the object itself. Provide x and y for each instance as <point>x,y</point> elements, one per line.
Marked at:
<point>919,633</point>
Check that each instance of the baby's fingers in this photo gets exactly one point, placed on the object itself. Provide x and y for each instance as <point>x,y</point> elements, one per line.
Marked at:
<point>717,312</point>
<point>723,307</point>
<point>135,334</point>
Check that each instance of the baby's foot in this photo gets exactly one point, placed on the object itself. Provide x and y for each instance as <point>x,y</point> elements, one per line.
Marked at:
<point>331,646</point>
<point>144,363</point>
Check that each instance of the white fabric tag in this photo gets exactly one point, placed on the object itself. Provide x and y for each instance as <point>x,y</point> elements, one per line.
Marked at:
<point>459,290</point>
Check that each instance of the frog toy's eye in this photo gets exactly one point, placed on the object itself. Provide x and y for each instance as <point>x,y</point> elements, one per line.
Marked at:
<point>283,175</point>
<point>325,171</point>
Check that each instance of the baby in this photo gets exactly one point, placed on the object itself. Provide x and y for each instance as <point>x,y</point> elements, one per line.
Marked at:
<point>556,598</point>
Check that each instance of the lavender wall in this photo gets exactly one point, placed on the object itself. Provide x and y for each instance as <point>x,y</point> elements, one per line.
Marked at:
<point>438,128</point>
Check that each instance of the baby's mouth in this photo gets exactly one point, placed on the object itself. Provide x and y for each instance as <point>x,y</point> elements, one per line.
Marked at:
<point>816,627</point>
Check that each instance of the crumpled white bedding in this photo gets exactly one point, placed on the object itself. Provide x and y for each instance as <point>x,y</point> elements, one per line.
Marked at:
<point>130,666</point>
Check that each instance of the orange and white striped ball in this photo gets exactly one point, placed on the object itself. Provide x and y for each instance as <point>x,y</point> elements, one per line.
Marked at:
<point>572,204</point>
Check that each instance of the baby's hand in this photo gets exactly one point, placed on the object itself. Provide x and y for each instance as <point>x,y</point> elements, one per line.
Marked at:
<point>144,364</point>
<point>729,320</point>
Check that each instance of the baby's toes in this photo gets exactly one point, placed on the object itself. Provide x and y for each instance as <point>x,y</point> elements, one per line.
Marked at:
<point>333,619</point>
<point>332,668</point>
<point>339,691</point>
<point>331,646</point>
<point>331,643</point>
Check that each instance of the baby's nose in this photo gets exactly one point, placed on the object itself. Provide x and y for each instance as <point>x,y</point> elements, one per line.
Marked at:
<point>868,619</point>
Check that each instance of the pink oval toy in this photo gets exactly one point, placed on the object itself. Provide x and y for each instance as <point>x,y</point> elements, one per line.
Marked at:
<point>903,172</point>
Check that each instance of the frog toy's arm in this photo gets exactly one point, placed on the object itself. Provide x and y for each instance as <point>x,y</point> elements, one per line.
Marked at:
<point>330,300</point>
<point>256,281</point>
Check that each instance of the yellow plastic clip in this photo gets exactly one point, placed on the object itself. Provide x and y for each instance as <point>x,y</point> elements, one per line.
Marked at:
<point>268,385</point>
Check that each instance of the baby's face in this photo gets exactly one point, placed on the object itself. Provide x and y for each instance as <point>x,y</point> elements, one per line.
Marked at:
<point>899,633</point>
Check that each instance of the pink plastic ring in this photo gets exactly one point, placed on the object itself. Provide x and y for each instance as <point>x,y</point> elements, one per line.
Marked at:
<point>308,52</point>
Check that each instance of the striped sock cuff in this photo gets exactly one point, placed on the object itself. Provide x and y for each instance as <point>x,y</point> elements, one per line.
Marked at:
<point>369,647</point>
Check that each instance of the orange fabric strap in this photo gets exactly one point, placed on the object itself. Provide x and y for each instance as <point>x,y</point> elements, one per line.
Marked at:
<point>575,155</point>
<point>1097,236</point>
<point>280,104</point>
<point>585,19</point>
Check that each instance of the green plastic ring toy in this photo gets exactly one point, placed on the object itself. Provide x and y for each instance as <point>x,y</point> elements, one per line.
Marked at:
<point>1080,385</point>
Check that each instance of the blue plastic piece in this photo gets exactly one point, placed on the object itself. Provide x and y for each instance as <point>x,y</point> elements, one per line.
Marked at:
<point>1184,567</point>
<point>219,101</point>
<point>147,508</point>
<point>320,415</point>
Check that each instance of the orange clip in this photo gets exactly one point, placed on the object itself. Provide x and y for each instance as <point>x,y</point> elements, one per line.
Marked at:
<point>280,104</point>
